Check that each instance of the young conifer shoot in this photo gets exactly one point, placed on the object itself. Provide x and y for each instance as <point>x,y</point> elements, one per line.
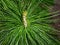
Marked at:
<point>27,22</point>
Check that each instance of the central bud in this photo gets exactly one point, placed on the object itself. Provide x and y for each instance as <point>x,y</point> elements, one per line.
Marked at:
<point>24,18</point>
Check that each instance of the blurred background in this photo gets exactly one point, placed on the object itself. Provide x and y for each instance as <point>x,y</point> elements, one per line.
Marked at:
<point>56,25</point>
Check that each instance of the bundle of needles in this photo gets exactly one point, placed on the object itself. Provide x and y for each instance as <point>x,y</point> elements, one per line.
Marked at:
<point>27,22</point>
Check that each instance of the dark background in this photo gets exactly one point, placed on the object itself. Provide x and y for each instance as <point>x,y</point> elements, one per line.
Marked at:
<point>57,24</point>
